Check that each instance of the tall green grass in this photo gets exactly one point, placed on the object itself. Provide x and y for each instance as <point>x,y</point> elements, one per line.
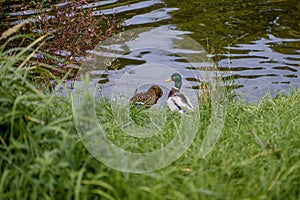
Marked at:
<point>257,156</point>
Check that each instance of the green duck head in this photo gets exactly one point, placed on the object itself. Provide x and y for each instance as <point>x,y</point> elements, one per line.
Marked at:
<point>176,77</point>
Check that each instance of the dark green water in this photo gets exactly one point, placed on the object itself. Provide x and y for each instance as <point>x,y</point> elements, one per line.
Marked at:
<point>257,43</point>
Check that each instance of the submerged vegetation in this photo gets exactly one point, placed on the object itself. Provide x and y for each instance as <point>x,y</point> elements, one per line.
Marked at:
<point>42,157</point>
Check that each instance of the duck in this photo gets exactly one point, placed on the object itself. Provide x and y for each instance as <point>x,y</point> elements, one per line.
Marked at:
<point>149,98</point>
<point>177,101</point>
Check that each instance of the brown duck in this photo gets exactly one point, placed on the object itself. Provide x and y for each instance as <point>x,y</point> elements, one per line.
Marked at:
<point>148,98</point>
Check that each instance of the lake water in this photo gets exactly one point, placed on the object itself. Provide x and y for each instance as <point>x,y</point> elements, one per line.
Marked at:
<point>255,44</point>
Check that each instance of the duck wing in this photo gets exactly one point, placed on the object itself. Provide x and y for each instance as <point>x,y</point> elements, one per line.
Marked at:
<point>181,101</point>
<point>144,98</point>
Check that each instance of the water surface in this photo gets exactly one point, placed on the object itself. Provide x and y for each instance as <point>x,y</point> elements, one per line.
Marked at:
<point>255,44</point>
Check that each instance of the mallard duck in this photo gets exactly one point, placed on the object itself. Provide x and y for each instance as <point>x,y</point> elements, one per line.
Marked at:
<point>178,101</point>
<point>148,98</point>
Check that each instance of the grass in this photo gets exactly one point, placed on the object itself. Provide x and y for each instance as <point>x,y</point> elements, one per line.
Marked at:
<point>257,156</point>
<point>153,129</point>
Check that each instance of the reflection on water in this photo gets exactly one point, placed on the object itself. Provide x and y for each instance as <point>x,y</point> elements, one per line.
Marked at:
<point>255,44</point>
<point>148,56</point>
<point>263,69</point>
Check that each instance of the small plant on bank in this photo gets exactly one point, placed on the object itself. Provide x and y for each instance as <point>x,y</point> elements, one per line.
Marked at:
<point>71,31</point>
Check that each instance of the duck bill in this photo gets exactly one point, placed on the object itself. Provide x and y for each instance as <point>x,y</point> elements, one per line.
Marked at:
<point>168,80</point>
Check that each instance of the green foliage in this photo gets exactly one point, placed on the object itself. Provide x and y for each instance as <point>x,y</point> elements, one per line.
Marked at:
<point>111,116</point>
<point>35,126</point>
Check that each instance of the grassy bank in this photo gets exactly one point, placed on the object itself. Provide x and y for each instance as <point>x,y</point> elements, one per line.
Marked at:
<point>257,156</point>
